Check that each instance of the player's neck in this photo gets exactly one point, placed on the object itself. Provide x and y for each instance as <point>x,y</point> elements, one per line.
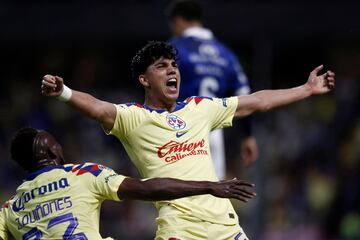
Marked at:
<point>188,25</point>
<point>45,163</point>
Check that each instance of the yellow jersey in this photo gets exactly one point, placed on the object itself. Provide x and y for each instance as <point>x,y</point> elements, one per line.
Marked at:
<point>176,144</point>
<point>60,202</point>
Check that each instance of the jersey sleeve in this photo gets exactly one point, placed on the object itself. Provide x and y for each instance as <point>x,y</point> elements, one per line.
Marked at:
<point>127,118</point>
<point>221,111</point>
<point>107,183</point>
<point>3,231</point>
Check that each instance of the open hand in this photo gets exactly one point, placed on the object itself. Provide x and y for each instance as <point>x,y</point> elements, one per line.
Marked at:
<point>234,188</point>
<point>321,84</point>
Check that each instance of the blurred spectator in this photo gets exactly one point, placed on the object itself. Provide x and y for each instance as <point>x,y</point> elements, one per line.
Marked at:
<point>309,152</point>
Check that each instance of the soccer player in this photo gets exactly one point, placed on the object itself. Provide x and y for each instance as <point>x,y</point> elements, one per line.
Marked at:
<point>166,138</point>
<point>62,201</point>
<point>208,68</point>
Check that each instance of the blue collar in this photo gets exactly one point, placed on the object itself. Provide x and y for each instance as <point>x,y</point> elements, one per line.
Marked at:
<point>179,105</point>
<point>36,173</point>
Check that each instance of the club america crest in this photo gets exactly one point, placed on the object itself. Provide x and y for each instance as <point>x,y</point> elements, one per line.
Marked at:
<point>175,122</point>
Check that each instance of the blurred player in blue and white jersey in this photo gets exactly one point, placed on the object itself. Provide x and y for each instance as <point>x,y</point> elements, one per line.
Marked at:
<point>208,68</point>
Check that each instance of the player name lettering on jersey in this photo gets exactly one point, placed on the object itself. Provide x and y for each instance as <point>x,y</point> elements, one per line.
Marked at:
<point>174,151</point>
<point>42,210</point>
<point>19,204</point>
<point>209,70</point>
<point>196,58</point>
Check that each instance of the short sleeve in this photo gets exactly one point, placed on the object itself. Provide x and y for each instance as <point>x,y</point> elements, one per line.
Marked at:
<point>3,231</point>
<point>107,183</point>
<point>127,118</point>
<point>222,111</point>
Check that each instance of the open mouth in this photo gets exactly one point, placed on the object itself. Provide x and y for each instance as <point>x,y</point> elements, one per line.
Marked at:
<point>172,83</point>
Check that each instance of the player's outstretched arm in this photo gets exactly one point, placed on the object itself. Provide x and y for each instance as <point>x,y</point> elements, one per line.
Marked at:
<point>156,189</point>
<point>103,112</point>
<point>269,99</point>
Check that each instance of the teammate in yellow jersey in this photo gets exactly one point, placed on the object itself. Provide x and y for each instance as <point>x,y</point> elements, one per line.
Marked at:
<point>165,138</point>
<point>63,201</point>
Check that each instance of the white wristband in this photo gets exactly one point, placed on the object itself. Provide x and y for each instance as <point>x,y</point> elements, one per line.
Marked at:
<point>65,94</point>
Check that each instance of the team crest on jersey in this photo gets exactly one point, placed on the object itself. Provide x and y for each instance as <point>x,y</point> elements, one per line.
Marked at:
<point>175,122</point>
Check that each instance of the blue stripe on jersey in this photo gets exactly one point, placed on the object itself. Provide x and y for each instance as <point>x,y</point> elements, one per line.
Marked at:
<point>197,99</point>
<point>237,236</point>
<point>77,167</point>
<point>33,175</point>
<point>179,105</point>
<point>92,168</point>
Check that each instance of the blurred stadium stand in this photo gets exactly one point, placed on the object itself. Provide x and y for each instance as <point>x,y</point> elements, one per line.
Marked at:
<point>308,173</point>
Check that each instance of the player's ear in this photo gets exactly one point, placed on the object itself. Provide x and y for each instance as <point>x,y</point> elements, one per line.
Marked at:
<point>143,81</point>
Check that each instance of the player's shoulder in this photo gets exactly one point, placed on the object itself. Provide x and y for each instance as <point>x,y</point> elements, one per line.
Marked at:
<point>86,168</point>
<point>178,40</point>
<point>225,49</point>
<point>132,108</point>
<point>183,43</point>
<point>209,102</point>
<point>6,204</point>
<point>129,105</point>
<point>196,100</point>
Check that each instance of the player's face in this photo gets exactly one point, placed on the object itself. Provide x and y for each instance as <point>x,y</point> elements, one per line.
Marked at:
<point>163,79</point>
<point>58,152</point>
<point>47,147</point>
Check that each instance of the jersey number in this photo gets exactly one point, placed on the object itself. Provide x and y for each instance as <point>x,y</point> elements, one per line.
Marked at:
<point>36,234</point>
<point>208,87</point>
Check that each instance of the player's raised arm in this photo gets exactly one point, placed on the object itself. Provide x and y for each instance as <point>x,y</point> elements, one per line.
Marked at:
<point>268,99</point>
<point>156,189</point>
<point>103,112</point>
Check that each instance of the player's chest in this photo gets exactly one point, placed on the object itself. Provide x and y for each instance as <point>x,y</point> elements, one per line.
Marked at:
<point>170,137</point>
<point>160,128</point>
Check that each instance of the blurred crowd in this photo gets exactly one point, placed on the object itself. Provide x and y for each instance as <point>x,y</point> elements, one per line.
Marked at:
<point>307,175</point>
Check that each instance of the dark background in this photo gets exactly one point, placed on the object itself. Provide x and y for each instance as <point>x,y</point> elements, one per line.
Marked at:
<point>307,174</point>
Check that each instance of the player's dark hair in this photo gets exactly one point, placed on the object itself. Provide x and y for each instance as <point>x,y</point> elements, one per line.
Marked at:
<point>147,55</point>
<point>188,9</point>
<point>21,148</point>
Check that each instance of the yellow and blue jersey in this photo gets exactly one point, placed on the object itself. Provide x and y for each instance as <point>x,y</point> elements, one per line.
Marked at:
<point>60,202</point>
<point>176,144</point>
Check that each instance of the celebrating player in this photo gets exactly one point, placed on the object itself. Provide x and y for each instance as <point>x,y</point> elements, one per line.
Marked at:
<point>208,68</point>
<point>62,201</point>
<point>166,138</point>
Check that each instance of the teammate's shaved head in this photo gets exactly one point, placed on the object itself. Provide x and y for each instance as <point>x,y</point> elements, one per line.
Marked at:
<point>29,146</point>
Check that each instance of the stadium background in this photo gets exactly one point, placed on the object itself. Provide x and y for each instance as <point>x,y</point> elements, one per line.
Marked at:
<point>307,174</point>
